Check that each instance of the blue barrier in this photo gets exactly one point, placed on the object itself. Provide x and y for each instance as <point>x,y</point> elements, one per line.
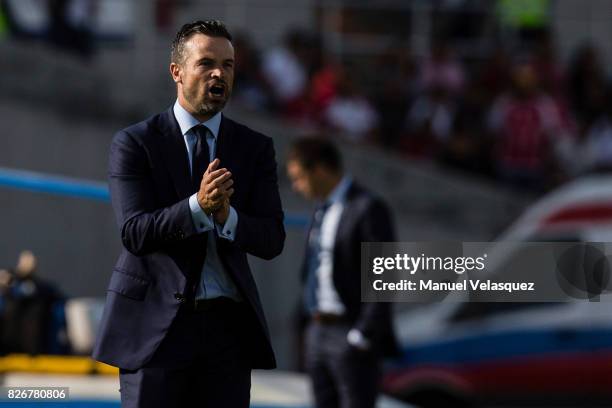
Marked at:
<point>84,189</point>
<point>58,185</point>
<point>102,404</point>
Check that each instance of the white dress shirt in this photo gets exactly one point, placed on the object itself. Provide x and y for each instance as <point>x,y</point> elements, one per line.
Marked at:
<point>214,281</point>
<point>328,300</point>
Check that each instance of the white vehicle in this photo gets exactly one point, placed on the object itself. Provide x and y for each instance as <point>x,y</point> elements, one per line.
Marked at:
<point>458,354</point>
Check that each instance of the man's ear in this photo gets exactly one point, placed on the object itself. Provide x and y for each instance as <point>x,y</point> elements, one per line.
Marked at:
<point>176,72</point>
<point>319,171</point>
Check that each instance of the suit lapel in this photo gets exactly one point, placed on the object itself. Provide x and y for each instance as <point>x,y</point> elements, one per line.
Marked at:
<point>174,153</point>
<point>344,233</point>
<point>347,212</point>
<point>304,269</point>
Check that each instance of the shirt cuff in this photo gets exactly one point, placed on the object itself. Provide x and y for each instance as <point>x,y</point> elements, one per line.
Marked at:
<point>228,231</point>
<point>356,339</point>
<point>201,221</point>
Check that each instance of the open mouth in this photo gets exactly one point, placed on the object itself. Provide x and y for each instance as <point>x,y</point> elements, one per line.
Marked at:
<point>217,90</point>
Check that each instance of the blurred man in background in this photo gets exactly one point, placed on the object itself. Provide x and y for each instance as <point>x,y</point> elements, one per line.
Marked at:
<point>28,308</point>
<point>183,320</point>
<point>345,338</point>
<point>6,276</point>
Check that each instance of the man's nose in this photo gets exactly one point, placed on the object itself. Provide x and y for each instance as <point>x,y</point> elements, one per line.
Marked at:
<point>217,73</point>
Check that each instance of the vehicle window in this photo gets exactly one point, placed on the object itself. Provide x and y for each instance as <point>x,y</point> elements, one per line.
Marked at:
<point>479,310</point>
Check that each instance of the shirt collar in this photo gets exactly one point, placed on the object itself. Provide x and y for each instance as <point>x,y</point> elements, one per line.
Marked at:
<point>339,192</point>
<point>187,122</point>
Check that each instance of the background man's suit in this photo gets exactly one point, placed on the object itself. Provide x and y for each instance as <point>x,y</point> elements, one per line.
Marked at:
<point>335,366</point>
<point>159,267</point>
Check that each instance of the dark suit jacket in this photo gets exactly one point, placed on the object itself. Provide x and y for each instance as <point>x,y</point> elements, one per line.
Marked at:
<point>365,218</point>
<point>162,256</point>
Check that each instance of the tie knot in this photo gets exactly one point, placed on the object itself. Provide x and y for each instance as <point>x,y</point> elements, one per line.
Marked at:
<point>201,131</point>
<point>320,211</point>
<point>323,206</point>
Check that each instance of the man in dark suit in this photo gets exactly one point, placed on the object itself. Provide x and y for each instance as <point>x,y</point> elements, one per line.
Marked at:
<point>193,192</point>
<point>345,338</point>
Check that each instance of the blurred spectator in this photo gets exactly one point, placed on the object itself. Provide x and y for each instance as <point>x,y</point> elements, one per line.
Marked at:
<point>467,148</point>
<point>586,85</point>
<point>525,121</point>
<point>324,86</point>
<point>28,309</point>
<point>249,84</point>
<point>430,122</point>
<point>494,74</point>
<point>553,83</point>
<point>6,277</point>
<point>396,87</point>
<point>70,25</point>
<point>66,24</point>
<point>548,67</point>
<point>442,70</point>
<point>350,112</point>
<point>595,151</point>
<point>286,73</point>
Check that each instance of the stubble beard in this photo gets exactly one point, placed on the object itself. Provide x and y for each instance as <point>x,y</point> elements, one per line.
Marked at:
<point>204,107</point>
<point>210,108</point>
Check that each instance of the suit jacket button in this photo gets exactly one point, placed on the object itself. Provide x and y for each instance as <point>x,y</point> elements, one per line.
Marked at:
<point>180,297</point>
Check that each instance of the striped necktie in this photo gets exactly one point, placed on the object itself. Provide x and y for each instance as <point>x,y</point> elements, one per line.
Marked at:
<point>200,158</point>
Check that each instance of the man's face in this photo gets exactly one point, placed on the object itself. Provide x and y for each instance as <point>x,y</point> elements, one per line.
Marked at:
<point>25,265</point>
<point>304,181</point>
<point>5,279</point>
<point>525,79</point>
<point>206,75</point>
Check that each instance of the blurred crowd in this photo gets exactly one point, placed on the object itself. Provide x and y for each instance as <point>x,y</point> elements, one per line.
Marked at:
<point>513,111</point>
<point>66,24</point>
<point>520,116</point>
<point>31,311</point>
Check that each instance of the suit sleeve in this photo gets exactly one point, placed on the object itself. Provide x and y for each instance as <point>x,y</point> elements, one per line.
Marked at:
<point>144,228</point>
<point>260,230</point>
<point>377,226</point>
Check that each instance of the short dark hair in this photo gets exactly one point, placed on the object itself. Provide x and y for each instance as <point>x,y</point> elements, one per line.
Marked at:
<point>211,28</point>
<point>312,151</point>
